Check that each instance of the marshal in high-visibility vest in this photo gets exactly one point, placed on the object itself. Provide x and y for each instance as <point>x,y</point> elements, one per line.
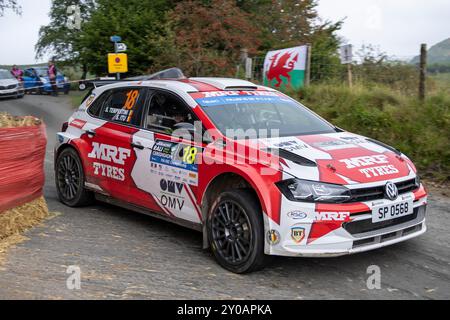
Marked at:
<point>117,62</point>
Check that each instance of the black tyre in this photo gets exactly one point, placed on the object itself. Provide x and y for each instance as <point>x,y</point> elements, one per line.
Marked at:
<point>69,177</point>
<point>236,231</point>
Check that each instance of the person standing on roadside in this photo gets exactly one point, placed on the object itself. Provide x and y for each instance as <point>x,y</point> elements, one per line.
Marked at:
<point>17,73</point>
<point>52,72</point>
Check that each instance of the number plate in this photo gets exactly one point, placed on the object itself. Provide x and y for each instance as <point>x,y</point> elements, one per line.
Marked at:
<point>392,211</point>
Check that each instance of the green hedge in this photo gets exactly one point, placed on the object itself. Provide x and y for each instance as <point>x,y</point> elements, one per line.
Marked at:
<point>420,130</point>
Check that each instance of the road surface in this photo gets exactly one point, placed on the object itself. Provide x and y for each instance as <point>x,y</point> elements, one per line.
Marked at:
<point>125,255</point>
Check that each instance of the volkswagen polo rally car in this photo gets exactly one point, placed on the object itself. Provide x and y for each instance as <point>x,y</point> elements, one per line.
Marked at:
<point>310,190</point>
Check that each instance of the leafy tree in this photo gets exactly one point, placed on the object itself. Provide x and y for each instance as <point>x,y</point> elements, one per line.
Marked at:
<point>9,4</point>
<point>60,38</point>
<point>141,24</point>
<point>210,35</point>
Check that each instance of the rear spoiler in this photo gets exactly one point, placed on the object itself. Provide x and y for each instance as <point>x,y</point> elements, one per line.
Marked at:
<point>172,74</point>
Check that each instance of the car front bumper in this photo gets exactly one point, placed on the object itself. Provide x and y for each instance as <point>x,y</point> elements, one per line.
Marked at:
<point>11,92</point>
<point>304,236</point>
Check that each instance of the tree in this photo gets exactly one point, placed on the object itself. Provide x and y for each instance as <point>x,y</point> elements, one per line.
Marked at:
<point>9,4</point>
<point>61,39</point>
<point>210,35</point>
<point>290,23</point>
<point>142,24</point>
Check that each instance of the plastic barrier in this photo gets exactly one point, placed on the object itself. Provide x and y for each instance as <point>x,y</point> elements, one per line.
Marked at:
<point>22,154</point>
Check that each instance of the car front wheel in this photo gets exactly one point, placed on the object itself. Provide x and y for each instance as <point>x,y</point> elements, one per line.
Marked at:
<point>70,180</point>
<point>236,231</point>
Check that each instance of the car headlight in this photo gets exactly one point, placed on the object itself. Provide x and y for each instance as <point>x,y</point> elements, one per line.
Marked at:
<point>44,80</point>
<point>418,182</point>
<point>311,191</point>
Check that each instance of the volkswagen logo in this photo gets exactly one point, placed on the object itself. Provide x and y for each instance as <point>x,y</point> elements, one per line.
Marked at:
<point>391,191</point>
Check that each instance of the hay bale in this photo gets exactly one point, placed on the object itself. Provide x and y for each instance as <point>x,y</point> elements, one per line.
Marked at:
<point>16,221</point>
<point>9,121</point>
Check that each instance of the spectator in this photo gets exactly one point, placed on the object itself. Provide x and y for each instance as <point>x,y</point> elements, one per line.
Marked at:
<point>52,72</point>
<point>17,73</point>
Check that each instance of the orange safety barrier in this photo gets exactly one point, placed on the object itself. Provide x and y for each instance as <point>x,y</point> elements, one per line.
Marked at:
<point>22,154</point>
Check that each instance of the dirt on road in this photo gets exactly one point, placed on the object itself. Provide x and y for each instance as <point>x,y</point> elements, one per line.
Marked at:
<point>125,255</point>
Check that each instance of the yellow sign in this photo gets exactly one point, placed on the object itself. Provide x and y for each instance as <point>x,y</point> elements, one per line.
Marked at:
<point>117,62</point>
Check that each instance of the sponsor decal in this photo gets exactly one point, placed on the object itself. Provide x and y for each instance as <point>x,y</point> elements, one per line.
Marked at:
<point>334,145</point>
<point>332,216</point>
<point>90,100</point>
<point>297,234</point>
<point>171,194</point>
<point>78,124</point>
<point>60,138</point>
<point>366,161</point>
<point>110,154</point>
<point>291,146</point>
<point>273,237</point>
<point>233,99</point>
<point>175,155</point>
<point>297,215</point>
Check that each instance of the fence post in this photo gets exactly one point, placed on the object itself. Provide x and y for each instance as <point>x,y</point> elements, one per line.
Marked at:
<point>350,75</point>
<point>308,66</point>
<point>423,71</point>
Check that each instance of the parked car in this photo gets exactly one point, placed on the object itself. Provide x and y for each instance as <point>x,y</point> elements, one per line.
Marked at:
<point>313,190</point>
<point>37,80</point>
<point>9,85</point>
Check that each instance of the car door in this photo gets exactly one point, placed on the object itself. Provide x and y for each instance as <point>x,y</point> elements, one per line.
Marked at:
<point>29,79</point>
<point>166,167</point>
<point>109,155</point>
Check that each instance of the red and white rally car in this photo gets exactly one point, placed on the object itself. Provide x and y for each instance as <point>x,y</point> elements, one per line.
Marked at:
<point>306,189</point>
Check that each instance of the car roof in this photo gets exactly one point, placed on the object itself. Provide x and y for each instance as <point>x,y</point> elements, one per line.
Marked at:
<point>192,85</point>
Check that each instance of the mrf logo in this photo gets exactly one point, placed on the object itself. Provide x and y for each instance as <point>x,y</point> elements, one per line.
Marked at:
<point>109,153</point>
<point>332,216</point>
<point>372,162</point>
<point>171,197</point>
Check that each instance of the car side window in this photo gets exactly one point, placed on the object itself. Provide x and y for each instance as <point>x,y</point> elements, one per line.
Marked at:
<point>124,106</point>
<point>168,113</point>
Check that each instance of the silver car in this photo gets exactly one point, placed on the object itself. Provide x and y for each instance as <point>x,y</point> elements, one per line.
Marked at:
<point>10,86</point>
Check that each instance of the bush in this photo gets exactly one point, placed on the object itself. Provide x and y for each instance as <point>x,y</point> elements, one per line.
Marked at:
<point>420,130</point>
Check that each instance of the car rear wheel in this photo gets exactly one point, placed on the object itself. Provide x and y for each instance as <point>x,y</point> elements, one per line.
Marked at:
<point>70,180</point>
<point>236,231</point>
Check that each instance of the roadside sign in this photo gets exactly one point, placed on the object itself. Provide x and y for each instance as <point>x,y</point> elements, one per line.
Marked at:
<point>117,62</point>
<point>116,39</point>
<point>121,47</point>
<point>347,54</point>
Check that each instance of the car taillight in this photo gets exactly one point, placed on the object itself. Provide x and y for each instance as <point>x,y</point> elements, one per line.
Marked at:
<point>64,127</point>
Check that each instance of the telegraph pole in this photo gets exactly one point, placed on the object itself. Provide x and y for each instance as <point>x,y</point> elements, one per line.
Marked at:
<point>423,71</point>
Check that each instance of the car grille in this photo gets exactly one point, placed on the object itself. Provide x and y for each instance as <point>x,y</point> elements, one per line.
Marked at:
<point>377,193</point>
<point>12,86</point>
<point>363,226</point>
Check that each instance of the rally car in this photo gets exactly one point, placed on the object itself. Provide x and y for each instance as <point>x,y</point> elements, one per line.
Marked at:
<point>255,171</point>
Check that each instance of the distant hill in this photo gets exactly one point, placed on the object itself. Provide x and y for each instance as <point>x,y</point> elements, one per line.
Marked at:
<point>437,54</point>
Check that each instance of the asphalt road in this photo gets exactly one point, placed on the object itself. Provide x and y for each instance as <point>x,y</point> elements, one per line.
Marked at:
<point>125,255</point>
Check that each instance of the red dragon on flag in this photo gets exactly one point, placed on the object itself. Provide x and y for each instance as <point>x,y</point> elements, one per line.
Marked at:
<point>285,67</point>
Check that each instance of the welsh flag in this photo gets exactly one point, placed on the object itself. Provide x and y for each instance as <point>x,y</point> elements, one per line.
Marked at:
<point>286,68</point>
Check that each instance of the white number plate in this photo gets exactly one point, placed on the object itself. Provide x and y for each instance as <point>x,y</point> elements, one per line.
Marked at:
<point>392,211</point>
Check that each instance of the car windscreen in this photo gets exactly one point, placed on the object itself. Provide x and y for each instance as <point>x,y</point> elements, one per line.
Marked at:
<point>243,113</point>
<point>5,75</point>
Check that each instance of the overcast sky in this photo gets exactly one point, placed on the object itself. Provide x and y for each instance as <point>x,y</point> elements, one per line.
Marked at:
<point>396,26</point>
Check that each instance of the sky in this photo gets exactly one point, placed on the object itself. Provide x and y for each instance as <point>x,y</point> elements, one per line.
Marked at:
<point>397,27</point>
